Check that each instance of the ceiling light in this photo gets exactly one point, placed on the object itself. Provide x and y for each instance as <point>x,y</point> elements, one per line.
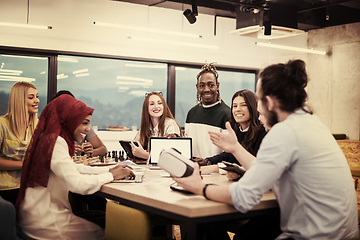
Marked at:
<point>82,75</point>
<point>186,44</point>
<point>61,76</point>
<point>138,93</point>
<point>153,30</point>
<point>290,48</point>
<point>16,79</point>
<point>20,56</point>
<point>134,79</point>
<point>191,15</point>
<point>123,88</point>
<point>259,32</point>
<point>133,83</point>
<point>180,68</point>
<point>80,71</point>
<point>10,71</point>
<point>5,24</point>
<point>68,59</point>
<point>145,66</point>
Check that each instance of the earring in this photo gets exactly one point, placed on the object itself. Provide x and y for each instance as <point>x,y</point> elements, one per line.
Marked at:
<point>198,99</point>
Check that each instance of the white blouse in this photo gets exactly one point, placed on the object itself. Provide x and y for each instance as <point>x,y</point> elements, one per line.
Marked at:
<point>46,212</point>
<point>170,127</point>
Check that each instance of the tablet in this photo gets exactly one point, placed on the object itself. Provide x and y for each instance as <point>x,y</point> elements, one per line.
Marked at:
<point>127,147</point>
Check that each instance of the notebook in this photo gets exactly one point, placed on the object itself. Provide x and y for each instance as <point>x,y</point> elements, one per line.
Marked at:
<point>157,144</point>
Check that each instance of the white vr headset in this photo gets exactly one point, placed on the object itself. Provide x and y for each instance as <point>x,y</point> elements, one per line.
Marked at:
<point>175,164</point>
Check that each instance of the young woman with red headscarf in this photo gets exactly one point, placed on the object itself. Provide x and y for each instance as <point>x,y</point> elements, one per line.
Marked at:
<point>49,174</point>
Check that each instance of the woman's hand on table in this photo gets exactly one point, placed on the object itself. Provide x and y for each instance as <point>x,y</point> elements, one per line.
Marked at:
<point>121,171</point>
<point>192,183</point>
<point>205,170</point>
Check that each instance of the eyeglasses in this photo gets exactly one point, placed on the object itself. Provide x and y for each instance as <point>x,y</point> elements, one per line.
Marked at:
<point>154,91</point>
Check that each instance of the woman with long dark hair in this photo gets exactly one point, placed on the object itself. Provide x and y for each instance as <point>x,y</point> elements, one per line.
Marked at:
<point>156,121</point>
<point>245,122</point>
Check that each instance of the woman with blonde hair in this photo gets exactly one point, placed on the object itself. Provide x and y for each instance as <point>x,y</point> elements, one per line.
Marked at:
<point>156,121</point>
<point>16,129</point>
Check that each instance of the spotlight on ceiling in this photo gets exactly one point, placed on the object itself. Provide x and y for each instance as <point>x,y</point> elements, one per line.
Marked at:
<point>267,22</point>
<point>267,28</point>
<point>191,15</point>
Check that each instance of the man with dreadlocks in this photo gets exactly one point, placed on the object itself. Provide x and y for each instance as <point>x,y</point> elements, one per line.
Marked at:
<point>210,114</point>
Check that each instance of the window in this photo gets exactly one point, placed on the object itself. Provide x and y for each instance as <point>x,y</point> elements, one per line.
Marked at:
<point>14,68</point>
<point>114,88</point>
<point>230,82</point>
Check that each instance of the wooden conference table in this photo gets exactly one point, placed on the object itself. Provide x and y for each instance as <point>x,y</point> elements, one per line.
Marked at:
<point>155,196</point>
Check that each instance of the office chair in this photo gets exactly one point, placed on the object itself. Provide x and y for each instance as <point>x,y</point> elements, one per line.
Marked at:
<point>9,230</point>
<point>355,172</point>
<point>128,223</point>
<point>123,222</point>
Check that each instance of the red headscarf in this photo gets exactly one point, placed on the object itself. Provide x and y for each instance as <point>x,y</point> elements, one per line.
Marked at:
<point>59,118</point>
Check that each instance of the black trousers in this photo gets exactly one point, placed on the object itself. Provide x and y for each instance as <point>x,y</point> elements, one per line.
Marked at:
<point>264,227</point>
<point>10,195</point>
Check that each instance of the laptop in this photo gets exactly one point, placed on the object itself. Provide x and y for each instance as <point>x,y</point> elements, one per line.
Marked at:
<point>139,177</point>
<point>139,172</point>
<point>157,144</point>
<point>127,147</point>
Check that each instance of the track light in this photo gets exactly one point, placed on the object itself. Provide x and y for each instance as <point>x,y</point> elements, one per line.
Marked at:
<point>191,15</point>
<point>143,29</point>
<point>6,24</point>
<point>296,49</point>
<point>267,22</point>
<point>267,28</point>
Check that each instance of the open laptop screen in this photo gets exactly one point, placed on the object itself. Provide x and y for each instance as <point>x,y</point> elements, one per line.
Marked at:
<point>157,144</point>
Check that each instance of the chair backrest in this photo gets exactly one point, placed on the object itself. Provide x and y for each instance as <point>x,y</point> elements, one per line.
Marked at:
<point>7,221</point>
<point>123,222</point>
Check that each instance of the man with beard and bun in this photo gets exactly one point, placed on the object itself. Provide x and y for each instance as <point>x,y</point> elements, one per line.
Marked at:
<point>210,114</point>
<point>298,159</point>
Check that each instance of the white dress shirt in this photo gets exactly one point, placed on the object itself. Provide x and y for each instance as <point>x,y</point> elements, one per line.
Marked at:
<point>303,164</point>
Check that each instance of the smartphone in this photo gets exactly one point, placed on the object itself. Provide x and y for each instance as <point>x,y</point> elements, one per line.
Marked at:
<point>177,188</point>
<point>233,167</point>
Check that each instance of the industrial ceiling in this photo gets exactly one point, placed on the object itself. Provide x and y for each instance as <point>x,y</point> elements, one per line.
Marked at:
<point>298,14</point>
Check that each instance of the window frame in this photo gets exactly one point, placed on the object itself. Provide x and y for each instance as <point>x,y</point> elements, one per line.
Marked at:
<point>52,56</point>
